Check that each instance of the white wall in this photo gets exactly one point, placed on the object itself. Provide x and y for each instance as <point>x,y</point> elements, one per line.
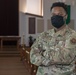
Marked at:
<point>22,5</point>
<point>27,34</point>
<point>22,25</point>
<point>73,14</point>
<point>23,21</point>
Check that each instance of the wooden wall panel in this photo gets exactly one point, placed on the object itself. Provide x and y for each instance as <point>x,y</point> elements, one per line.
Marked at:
<point>40,25</point>
<point>71,24</point>
<point>31,26</point>
<point>49,25</point>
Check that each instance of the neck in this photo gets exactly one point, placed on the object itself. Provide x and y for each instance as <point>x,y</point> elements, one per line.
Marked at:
<point>58,29</point>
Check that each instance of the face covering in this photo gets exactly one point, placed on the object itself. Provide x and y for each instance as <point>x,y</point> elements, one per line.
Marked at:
<point>57,21</point>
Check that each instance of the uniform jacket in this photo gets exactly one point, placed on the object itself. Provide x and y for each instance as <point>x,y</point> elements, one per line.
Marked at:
<point>53,52</point>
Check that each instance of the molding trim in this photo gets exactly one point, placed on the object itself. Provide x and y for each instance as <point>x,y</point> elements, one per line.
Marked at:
<point>33,15</point>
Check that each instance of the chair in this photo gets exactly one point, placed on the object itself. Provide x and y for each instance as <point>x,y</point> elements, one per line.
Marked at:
<point>25,58</point>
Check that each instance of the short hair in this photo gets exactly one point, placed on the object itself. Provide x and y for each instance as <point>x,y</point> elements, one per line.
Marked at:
<point>59,4</point>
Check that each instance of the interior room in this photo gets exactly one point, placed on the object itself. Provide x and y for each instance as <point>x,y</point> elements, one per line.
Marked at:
<point>21,23</point>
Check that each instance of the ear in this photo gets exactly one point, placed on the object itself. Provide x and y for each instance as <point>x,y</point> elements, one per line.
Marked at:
<point>66,16</point>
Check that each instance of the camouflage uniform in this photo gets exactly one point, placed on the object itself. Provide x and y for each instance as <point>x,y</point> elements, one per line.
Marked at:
<point>51,47</point>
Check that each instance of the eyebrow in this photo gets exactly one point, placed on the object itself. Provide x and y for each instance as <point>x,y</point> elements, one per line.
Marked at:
<point>60,13</point>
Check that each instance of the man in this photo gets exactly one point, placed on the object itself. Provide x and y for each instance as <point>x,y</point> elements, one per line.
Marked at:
<point>51,50</point>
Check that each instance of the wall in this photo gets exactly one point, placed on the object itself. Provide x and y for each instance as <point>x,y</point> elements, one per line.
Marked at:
<point>27,29</point>
<point>22,26</point>
<point>73,14</point>
<point>46,11</point>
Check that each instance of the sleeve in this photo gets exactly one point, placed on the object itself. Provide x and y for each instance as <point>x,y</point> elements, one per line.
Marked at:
<point>67,49</point>
<point>36,53</point>
<point>69,53</point>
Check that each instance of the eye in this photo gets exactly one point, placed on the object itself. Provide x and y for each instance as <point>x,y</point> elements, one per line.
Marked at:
<point>53,14</point>
<point>61,14</point>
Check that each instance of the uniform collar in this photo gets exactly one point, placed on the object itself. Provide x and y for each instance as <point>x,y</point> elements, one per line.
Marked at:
<point>61,32</point>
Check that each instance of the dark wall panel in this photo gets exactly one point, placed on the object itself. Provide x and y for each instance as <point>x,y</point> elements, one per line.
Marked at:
<point>3,17</point>
<point>9,15</point>
<point>31,23</point>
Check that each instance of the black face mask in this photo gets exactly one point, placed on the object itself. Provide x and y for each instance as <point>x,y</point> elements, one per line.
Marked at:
<point>57,21</point>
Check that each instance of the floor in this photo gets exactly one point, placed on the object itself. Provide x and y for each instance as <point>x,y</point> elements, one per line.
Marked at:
<point>12,66</point>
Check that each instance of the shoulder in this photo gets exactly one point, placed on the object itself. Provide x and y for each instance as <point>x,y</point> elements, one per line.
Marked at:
<point>46,33</point>
<point>70,31</point>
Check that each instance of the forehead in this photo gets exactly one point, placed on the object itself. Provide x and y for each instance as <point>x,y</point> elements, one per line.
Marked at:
<point>58,9</point>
